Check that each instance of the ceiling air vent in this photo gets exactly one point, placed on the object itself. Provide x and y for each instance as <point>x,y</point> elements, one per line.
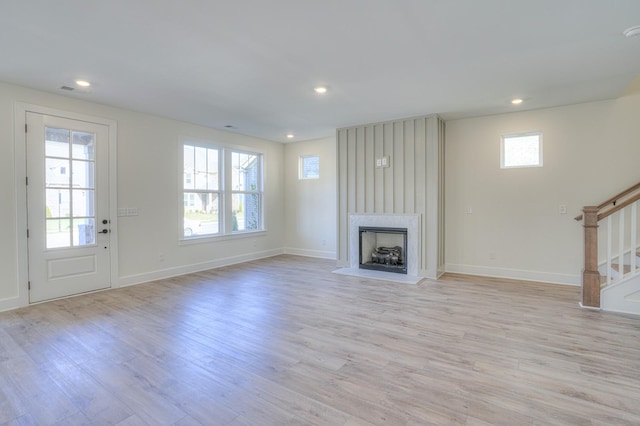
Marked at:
<point>67,88</point>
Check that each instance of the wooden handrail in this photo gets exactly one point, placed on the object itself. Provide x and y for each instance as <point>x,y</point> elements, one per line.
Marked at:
<point>592,215</point>
<point>619,207</point>
<point>613,200</point>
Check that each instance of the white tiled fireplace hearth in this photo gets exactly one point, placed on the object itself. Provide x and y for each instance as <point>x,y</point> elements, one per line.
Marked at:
<point>410,222</point>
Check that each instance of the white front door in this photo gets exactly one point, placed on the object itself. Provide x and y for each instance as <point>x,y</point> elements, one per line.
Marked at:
<point>67,206</point>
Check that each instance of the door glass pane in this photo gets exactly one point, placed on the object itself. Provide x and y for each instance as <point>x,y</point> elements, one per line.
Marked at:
<point>84,232</point>
<point>57,203</point>
<point>83,174</point>
<point>70,187</point>
<point>57,172</point>
<point>83,146</point>
<point>200,214</point>
<point>56,142</point>
<point>58,233</point>
<point>83,202</point>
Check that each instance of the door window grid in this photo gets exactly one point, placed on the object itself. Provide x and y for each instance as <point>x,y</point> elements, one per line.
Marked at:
<point>69,188</point>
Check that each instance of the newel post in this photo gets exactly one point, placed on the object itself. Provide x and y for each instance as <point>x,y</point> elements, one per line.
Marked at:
<point>590,274</point>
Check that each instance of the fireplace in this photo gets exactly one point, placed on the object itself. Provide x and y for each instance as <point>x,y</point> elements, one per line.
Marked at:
<point>383,249</point>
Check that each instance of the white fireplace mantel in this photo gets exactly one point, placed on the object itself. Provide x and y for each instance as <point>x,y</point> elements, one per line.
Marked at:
<point>409,221</point>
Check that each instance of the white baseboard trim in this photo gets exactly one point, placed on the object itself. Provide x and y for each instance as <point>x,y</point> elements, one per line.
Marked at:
<point>311,253</point>
<point>196,267</point>
<point>591,308</point>
<point>516,274</point>
<point>11,303</point>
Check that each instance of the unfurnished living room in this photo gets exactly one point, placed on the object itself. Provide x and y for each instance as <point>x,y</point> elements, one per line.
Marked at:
<point>356,212</point>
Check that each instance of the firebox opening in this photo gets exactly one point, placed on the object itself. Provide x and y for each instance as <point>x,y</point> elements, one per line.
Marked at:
<point>383,249</point>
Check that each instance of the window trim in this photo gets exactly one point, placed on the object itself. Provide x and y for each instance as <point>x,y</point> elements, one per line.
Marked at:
<point>259,191</point>
<point>516,135</point>
<point>195,143</point>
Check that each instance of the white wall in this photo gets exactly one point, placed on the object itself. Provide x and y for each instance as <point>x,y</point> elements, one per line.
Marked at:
<point>149,178</point>
<point>310,205</point>
<point>591,152</point>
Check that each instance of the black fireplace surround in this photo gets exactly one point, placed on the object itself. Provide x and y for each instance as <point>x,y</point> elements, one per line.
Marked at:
<point>383,249</point>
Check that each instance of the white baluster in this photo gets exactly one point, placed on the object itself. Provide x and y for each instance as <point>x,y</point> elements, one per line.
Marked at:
<point>609,243</point>
<point>621,244</point>
<point>634,235</point>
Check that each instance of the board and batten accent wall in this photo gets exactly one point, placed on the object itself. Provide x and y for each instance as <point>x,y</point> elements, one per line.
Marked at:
<point>413,182</point>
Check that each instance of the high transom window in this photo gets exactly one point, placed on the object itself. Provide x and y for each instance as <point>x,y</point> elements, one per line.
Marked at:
<point>521,150</point>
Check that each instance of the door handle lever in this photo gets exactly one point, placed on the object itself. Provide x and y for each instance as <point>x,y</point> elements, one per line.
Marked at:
<point>105,231</point>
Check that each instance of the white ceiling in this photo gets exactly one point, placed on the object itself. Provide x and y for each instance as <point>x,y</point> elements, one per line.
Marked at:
<point>252,64</point>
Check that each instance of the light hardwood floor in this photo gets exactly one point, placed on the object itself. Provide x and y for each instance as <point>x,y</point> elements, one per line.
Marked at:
<point>283,341</point>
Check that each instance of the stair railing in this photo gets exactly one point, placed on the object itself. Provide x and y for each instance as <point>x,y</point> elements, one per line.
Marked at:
<point>612,210</point>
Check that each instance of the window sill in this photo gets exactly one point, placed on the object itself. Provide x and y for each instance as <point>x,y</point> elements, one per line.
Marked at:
<point>216,238</point>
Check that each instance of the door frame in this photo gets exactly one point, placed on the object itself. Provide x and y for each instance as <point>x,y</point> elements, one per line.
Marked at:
<point>20,111</point>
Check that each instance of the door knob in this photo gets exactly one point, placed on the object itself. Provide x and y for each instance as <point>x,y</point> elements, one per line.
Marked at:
<point>104,231</point>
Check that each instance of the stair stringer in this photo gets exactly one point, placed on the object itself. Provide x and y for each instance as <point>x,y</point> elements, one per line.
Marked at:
<point>622,296</point>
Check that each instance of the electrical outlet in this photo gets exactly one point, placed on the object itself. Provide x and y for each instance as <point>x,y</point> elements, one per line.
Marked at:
<point>563,209</point>
<point>132,211</point>
<point>378,162</point>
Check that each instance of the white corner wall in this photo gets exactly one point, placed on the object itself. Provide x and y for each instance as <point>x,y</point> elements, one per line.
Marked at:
<point>149,177</point>
<point>310,205</point>
<point>515,230</point>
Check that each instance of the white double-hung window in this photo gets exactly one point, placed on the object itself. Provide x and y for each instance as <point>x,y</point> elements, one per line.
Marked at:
<point>222,191</point>
<point>246,188</point>
<point>201,190</point>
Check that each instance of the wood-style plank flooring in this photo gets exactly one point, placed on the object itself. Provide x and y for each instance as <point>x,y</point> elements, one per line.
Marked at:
<point>283,341</point>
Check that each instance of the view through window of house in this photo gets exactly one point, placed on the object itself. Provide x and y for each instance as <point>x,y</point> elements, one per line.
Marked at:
<point>521,150</point>
<point>309,167</point>
<point>246,204</point>
<point>215,203</point>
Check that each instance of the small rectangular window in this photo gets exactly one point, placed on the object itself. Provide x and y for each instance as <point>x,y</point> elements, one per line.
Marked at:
<point>309,167</point>
<point>521,150</point>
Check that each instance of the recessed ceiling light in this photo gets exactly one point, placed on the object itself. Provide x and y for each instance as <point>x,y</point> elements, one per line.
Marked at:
<point>320,89</point>
<point>517,101</point>
<point>290,135</point>
<point>632,32</point>
<point>83,83</point>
